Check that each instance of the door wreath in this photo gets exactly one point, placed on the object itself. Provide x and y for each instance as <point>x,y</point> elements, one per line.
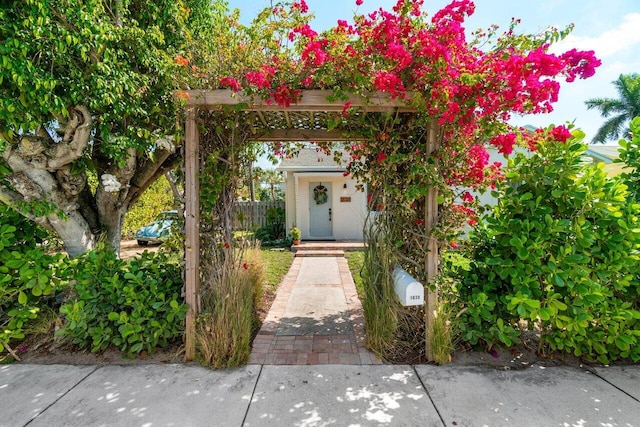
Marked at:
<point>320,194</point>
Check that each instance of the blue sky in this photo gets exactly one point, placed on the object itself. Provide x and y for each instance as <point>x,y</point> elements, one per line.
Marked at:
<point>609,27</point>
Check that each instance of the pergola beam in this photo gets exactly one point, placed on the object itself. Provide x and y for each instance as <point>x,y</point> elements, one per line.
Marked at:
<point>311,100</point>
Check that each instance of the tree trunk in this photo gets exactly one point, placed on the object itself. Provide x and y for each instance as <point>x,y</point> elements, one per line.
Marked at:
<point>58,199</point>
<point>74,232</point>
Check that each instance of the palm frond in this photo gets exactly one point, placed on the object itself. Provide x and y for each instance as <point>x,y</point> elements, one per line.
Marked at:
<point>623,109</point>
<point>611,129</point>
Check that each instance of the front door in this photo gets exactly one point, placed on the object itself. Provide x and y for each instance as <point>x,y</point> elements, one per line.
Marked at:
<point>320,210</point>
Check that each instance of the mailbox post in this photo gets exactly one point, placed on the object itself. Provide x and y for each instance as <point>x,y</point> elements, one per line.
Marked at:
<point>409,290</point>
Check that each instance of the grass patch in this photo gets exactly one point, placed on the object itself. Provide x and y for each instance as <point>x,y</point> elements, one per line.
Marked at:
<point>277,264</point>
<point>355,259</point>
<point>442,336</point>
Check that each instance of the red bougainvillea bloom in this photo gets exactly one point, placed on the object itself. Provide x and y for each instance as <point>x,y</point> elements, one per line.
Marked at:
<point>345,109</point>
<point>258,79</point>
<point>504,143</point>
<point>582,64</point>
<point>478,159</point>
<point>301,6</point>
<point>358,2</point>
<point>381,157</point>
<point>285,96</point>
<point>560,133</point>
<point>467,197</point>
<point>231,83</point>
<point>389,82</point>
<point>419,222</point>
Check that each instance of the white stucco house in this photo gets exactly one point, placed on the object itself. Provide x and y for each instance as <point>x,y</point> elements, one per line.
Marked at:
<point>320,200</point>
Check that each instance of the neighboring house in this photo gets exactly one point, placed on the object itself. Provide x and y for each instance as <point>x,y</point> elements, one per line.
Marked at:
<point>605,154</point>
<point>320,200</point>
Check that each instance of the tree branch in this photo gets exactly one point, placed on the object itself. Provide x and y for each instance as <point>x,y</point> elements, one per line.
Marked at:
<point>75,140</point>
<point>161,169</point>
<point>12,199</point>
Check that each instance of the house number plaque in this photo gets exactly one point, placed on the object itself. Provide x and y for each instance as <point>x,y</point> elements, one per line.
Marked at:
<point>345,199</point>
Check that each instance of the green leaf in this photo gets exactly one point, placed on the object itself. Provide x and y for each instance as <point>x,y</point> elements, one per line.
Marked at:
<point>545,313</point>
<point>22,298</point>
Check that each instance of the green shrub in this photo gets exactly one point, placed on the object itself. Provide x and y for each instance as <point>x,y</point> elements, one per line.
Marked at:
<point>30,279</point>
<point>630,155</point>
<point>133,305</point>
<point>559,254</point>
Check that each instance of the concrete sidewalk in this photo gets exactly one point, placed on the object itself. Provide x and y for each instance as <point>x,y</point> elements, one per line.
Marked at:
<point>316,321</point>
<point>319,395</point>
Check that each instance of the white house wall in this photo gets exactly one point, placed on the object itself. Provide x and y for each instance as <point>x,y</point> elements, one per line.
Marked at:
<point>347,217</point>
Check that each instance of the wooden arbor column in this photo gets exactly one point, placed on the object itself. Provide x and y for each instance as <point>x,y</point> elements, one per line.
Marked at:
<point>192,229</point>
<point>431,256</point>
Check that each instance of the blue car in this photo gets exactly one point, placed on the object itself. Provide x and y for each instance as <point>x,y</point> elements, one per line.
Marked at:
<point>158,230</point>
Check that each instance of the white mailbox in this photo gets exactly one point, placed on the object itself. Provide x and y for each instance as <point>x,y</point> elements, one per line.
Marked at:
<point>408,289</point>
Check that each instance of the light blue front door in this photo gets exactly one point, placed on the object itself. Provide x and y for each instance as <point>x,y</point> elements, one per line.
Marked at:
<point>320,210</point>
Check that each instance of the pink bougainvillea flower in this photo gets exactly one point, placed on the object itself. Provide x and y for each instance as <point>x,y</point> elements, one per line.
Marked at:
<point>285,96</point>
<point>467,197</point>
<point>258,79</point>
<point>345,109</point>
<point>504,143</point>
<point>581,64</point>
<point>358,2</point>
<point>231,83</point>
<point>301,6</point>
<point>560,133</point>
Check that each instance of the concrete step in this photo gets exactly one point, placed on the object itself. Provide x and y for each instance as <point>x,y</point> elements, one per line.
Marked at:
<point>318,253</point>
<point>328,246</point>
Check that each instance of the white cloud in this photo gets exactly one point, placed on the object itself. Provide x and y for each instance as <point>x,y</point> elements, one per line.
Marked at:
<point>610,42</point>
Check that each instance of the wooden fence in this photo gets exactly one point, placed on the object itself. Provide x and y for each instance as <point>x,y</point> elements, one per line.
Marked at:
<point>253,215</point>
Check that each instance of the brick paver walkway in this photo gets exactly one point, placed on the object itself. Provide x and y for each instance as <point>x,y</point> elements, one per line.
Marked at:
<point>276,344</point>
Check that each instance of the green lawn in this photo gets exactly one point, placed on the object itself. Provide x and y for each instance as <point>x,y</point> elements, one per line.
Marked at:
<point>277,264</point>
<point>355,260</point>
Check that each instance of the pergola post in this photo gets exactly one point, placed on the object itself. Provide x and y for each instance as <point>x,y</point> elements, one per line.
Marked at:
<point>192,227</point>
<point>431,256</point>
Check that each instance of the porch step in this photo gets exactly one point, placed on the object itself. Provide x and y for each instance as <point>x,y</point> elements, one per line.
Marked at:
<point>318,253</point>
<point>328,246</point>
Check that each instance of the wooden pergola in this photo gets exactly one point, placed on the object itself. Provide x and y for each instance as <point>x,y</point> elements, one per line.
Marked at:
<point>303,121</point>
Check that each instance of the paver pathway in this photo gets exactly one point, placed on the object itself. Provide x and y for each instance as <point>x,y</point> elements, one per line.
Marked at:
<point>316,318</point>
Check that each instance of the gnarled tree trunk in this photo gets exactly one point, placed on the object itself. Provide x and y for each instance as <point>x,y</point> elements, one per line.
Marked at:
<point>60,200</point>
